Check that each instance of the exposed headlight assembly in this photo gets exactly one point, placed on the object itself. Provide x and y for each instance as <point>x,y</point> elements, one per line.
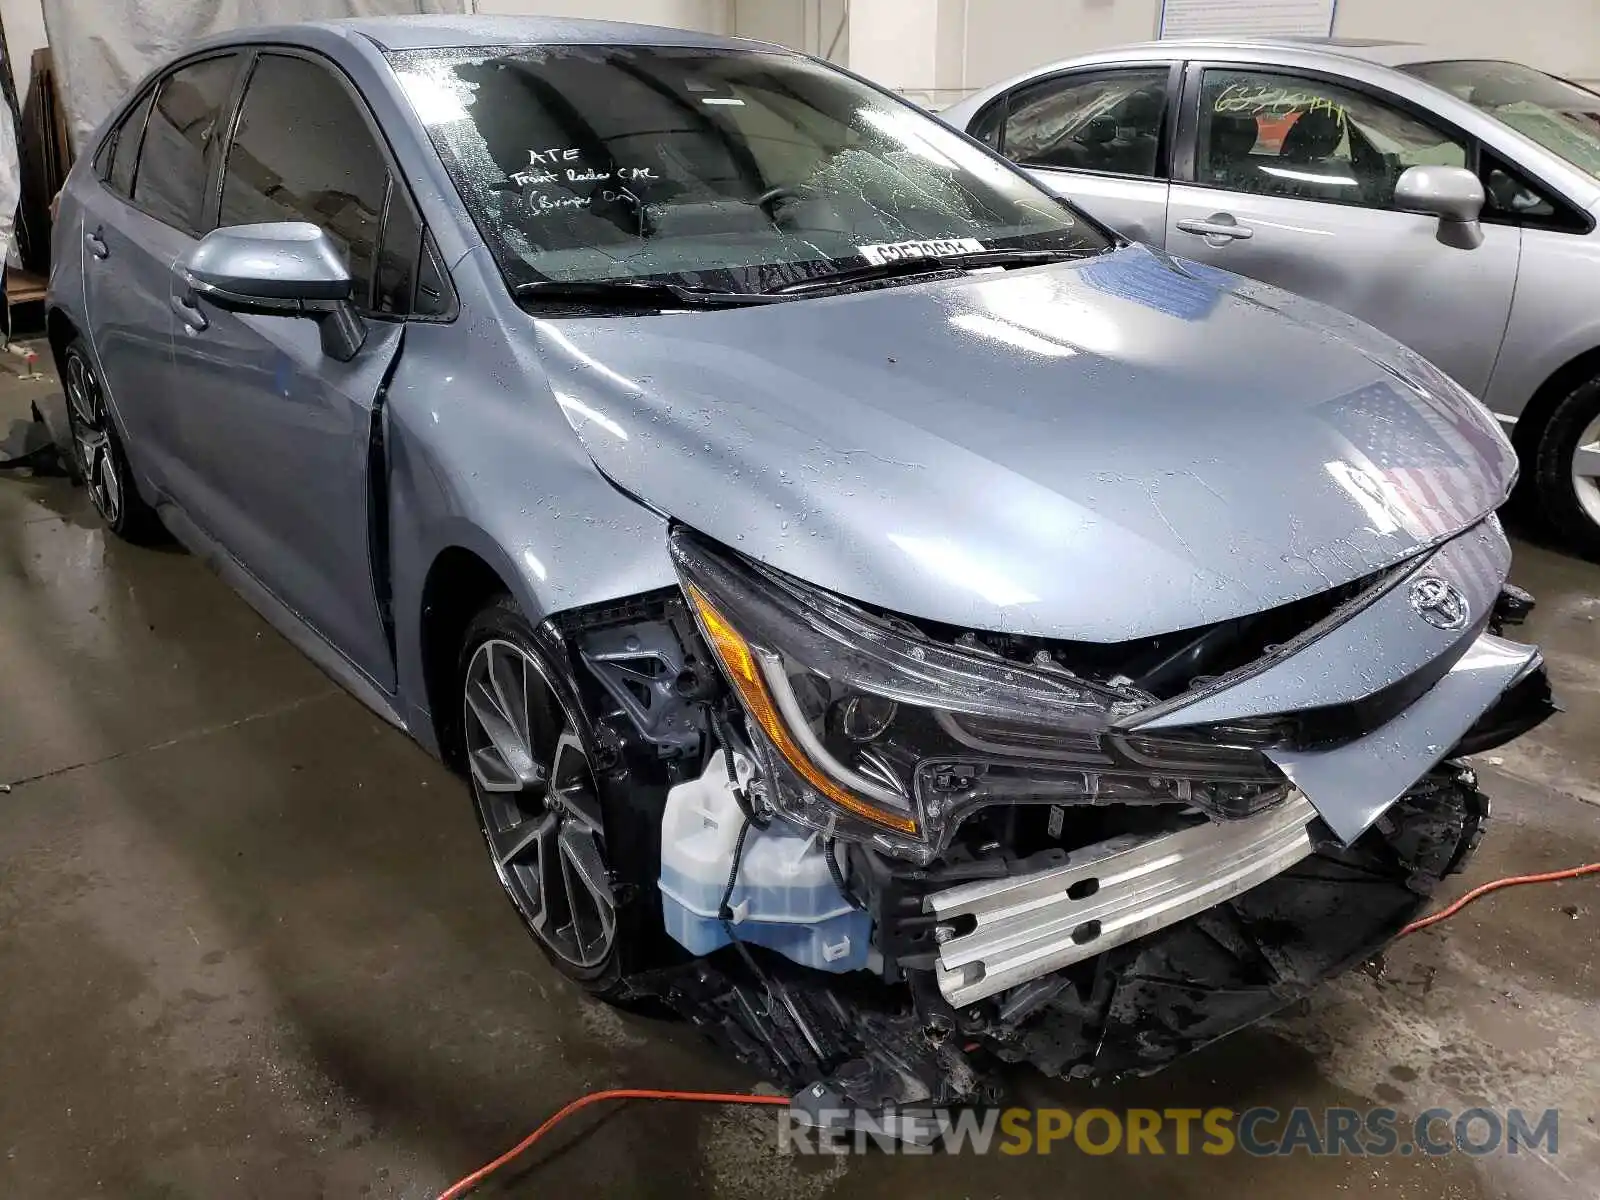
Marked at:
<point>872,731</point>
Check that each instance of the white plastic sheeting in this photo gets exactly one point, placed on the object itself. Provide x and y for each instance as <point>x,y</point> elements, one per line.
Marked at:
<point>10,185</point>
<point>99,56</point>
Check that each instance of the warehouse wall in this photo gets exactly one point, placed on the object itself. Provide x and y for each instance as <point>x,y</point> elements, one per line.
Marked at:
<point>24,26</point>
<point>1008,36</point>
<point>938,50</point>
<point>972,43</point>
<point>710,15</point>
<point>1563,36</point>
<point>814,26</point>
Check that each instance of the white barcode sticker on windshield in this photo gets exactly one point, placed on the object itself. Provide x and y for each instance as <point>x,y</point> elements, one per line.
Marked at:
<point>934,248</point>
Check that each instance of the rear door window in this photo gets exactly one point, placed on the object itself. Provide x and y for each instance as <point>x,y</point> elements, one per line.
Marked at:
<point>181,142</point>
<point>1105,121</point>
<point>125,147</point>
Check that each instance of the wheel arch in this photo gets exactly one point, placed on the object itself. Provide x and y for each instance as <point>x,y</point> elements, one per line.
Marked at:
<point>463,579</point>
<point>60,330</point>
<point>1535,416</point>
<point>459,582</point>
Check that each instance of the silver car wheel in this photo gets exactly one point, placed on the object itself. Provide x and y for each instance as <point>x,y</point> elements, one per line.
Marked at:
<point>538,805</point>
<point>1586,470</point>
<point>91,438</point>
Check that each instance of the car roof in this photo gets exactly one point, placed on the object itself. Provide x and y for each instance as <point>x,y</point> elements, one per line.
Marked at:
<point>1331,54</point>
<point>440,31</point>
<point>1335,55</point>
<point>1372,50</point>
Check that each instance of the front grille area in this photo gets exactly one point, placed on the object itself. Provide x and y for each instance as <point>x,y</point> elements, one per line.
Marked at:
<point>1168,664</point>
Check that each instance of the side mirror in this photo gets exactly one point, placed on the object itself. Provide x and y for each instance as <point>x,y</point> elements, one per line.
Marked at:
<point>1453,194</point>
<point>285,268</point>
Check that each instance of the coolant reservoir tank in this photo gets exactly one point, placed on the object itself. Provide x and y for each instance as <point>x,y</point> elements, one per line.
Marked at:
<point>785,898</point>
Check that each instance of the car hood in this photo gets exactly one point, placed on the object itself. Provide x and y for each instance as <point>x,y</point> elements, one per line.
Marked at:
<point>1098,450</point>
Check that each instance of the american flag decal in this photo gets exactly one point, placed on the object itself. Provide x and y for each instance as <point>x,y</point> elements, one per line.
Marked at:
<point>1429,468</point>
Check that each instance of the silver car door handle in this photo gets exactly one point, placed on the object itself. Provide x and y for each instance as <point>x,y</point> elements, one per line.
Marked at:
<point>1216,229</point>
<point>97,244</point>
<point>189,313</point>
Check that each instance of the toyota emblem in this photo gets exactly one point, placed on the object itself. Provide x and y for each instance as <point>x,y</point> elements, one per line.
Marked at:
<point>1439,603</point>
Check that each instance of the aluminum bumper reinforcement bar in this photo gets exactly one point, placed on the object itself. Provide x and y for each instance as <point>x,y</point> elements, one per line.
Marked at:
<point>1105,895</point>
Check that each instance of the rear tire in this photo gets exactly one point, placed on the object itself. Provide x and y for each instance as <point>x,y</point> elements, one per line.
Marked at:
<point>1569,498</point>
<point>98,459</point>
<point>529,768</point>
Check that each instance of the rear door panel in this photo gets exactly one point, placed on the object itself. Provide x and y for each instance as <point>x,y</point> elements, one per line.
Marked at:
<point>137,224</point>
<point>1135,208</point>
<point>127,268</point>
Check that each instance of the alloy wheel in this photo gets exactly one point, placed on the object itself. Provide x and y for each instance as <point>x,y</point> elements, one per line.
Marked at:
<point>91,438</point>
<point>537,804</point>
<point>1586,470</point>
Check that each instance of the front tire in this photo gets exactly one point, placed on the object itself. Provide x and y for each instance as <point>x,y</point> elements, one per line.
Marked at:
<point>529,768</point>
<point>97,455</point>
<point>1566,469</point>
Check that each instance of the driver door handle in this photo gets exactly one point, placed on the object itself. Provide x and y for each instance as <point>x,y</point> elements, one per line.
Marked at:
<point>97,244</point>
<point>1220,225</point>
<point>189,313</point>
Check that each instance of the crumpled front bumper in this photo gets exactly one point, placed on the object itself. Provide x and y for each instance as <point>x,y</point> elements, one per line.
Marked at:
<point>1379,694</point>
<point>1352,784</point>
<point>1378,697</point>
<point>1129,1011</point>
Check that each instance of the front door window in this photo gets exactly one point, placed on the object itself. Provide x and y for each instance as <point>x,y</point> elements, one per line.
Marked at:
<point>1285,135</point>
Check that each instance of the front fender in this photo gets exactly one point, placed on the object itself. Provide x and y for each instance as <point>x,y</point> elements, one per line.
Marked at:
<point>480,458</point>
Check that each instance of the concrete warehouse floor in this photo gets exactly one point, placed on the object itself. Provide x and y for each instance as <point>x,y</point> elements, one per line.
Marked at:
<point>250,945</point>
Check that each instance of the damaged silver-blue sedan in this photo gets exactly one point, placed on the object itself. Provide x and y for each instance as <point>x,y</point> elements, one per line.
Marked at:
<point>882,616</point>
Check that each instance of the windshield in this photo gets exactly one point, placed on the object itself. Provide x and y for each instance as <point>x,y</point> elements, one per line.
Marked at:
<point>1560,116</point>
<point>733,170</point>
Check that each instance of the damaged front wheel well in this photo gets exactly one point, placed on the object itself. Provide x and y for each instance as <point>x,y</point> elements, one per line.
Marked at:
<point>458,586</point>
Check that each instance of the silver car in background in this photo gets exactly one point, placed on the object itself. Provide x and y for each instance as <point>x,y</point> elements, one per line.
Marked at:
<point>1450,203</point>
<point>880,615</point>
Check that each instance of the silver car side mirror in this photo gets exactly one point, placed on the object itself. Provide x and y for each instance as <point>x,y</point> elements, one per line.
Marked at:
<point>284,268</point>
<point>1453,194</point>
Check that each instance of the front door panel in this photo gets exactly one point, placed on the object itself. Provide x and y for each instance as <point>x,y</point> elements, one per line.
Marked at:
<point>1388,268</point>
<point>1295,181</point>
<point>277,438</point>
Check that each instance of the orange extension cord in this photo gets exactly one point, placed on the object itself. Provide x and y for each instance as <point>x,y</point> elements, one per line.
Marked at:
<point>1451,910</point>
<point>462,1186</point>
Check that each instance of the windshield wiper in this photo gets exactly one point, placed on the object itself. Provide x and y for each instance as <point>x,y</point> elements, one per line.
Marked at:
<point>930,265</point>
<point>654,294</point>
<point>645,294</point>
